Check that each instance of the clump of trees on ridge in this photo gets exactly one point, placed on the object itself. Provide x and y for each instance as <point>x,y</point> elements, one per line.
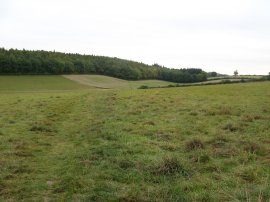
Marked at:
<point>15,61</point>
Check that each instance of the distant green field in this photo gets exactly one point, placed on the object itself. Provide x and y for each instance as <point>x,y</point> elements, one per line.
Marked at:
<point>37,83</point>
<point>107,82</point>
<point>221,80</point>
<point>71,82</point>
<point>65,141</point>
<point>236,77</point>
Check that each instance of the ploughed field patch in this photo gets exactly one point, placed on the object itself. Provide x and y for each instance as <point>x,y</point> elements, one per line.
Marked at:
<point>207,143</point>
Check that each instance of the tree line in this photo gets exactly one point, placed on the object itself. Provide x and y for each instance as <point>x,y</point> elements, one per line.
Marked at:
<point>15,61</point>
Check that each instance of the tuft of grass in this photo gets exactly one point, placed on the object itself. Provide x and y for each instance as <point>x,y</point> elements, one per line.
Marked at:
<point>225,111</point>
<point>229,152</point>
<point>151,123</point>
<point>201,158</point>
<point>219,141</point>
<point>254,148</point>
<point>171,166</point>
<point>231,127</point>
<point>194,144</point>
<point>42,129</point>
<point>250,118</point>
<point>250,174</point>
<point>193,113</point>
<point>126,164</point>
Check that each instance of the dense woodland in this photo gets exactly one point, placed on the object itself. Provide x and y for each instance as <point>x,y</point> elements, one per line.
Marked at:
<point>43,62</point>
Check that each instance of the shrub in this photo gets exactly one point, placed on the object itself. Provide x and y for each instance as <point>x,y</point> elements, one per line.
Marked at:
<point>143,87</point>
<point>225,81</point>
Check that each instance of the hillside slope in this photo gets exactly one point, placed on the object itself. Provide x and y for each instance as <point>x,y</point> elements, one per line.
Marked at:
<point>107,82</point>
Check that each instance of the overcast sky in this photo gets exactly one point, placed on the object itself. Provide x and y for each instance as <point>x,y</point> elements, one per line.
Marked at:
<point>215,35</point>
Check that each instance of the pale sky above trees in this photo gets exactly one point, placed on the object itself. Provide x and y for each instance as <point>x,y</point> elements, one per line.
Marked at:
<point>215,35</point>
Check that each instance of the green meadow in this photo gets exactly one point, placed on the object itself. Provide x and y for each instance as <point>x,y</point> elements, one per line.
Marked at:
<point>90,139</point>
<point>106,82</point>
<point>37,83</point>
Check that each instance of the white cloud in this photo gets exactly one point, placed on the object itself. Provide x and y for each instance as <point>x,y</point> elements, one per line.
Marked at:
<point>210,34</point>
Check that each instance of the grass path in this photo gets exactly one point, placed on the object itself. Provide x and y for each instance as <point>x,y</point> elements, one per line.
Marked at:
<point>42,145</point>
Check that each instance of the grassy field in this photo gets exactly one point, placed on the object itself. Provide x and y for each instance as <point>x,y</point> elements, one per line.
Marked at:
<point>38,83</point>
<point>107,82</point>
<point>236,77</point>
<point>208,143</point>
